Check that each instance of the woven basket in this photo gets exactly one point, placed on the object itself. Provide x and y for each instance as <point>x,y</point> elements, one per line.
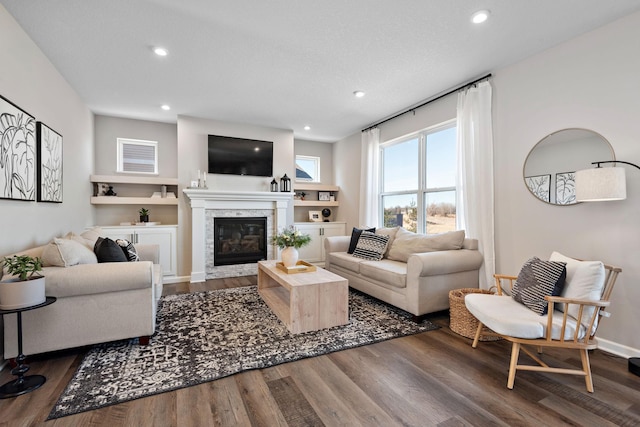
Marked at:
<point>461,321</point>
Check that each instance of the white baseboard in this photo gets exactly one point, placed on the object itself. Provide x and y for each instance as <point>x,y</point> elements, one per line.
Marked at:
<point>617,349</point>
<point>175,279</point>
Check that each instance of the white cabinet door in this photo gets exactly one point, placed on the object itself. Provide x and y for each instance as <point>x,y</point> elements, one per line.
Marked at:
<point>166,239</point>
<point>314,251</point>
<point>163,236</point>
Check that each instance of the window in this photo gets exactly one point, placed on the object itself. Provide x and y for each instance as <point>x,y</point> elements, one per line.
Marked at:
<point>308,168</point>
<point>137,156</point>
<point>418,181</point>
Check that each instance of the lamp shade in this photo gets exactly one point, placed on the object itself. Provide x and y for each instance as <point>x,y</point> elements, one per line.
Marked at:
<point>600,184</point>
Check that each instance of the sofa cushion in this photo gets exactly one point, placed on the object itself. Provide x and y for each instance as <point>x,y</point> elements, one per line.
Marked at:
<point>128,249</point>
<point>507,317</point>
<point>346,261</point>
<point>355,235</point>
<point>65,253</point>
<point>91,235</point>
<point>388,231</point>
<point>387,271</point>
<point>407,243</point>
<point>109,251</point>
<point>585,281</point>
<point>371,246</point>
<point>536,280</point>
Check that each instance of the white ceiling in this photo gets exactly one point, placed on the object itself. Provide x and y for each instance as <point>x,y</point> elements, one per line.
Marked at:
<point>291,63</point>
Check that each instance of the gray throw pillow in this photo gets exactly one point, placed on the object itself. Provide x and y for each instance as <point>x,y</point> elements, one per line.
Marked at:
<point>536,280</point>
<point>371,246</point>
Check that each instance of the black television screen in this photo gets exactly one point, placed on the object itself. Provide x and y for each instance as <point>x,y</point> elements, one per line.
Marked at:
<point>239,156</point>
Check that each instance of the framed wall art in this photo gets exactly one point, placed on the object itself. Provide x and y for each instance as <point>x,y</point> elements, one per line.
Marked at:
<point>540,186</point>
<point>324,196</point>
<point>314,216</point>
<point>17,152</point>
<point>566,188</point>
<point>49,164</point>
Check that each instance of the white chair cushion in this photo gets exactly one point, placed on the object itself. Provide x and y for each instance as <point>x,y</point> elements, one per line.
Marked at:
<point>346,261</point>
<point>585,280</point>
<point>507,317</point>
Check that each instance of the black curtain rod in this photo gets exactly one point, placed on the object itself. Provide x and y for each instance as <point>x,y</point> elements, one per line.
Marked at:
<point>466,85</point>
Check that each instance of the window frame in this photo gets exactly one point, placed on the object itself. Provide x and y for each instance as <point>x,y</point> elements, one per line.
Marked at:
<point>422,191</point>
<point>316,160</point>
<point>120,152</point>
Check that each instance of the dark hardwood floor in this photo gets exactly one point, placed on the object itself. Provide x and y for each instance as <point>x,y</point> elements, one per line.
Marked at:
<point>430,379</point>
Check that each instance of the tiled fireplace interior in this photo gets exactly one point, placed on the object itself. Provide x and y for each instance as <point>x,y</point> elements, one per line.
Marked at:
<point>241,240</point>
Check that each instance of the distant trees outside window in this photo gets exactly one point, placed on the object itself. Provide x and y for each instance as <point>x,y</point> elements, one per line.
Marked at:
<point>418,181</point>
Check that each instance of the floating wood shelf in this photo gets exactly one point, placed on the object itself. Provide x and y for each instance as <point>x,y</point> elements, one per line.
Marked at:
<point>115,200</point>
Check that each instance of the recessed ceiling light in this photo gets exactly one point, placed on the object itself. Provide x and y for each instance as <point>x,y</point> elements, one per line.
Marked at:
<point>358,93</point>
<point>480,16</point>
<point>160,51</point>
<point>307,128</point>
<point>165,107</point>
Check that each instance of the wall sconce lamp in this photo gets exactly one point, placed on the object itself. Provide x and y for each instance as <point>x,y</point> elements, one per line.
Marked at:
<point>602,184</point>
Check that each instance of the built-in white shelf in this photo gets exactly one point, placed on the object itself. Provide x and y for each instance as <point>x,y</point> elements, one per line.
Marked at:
<point>116,200</point>
<point>315,203</point>
<point>128,179</point>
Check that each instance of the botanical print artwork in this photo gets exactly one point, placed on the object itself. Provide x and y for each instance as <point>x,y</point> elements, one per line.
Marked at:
<point>540,186</point>
<point>50,171</point>
<point>17,152</point>
<point>566,188</point>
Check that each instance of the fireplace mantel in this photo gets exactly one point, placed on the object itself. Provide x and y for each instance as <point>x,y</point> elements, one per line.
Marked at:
<point>202,200</point>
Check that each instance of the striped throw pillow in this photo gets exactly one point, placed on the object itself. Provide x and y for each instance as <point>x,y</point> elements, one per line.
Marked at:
<point>538,279</point>
<point>371,246</point>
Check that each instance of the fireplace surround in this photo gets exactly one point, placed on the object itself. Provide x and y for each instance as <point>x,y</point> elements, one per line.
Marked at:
<point>207,205</point>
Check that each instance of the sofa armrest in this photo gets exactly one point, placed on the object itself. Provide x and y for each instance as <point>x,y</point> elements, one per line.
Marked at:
<point>336,244</point>
<point>149,253</point>
<point>444,262</point>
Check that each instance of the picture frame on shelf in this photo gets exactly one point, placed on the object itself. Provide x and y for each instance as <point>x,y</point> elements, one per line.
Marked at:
<point>49,164</point>
<point>324,196</point>
<point>315,216</point>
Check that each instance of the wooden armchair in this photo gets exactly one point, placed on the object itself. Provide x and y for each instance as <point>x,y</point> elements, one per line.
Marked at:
<point>569,323</point>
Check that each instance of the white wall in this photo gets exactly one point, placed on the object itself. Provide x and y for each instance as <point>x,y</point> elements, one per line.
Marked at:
<point>192,152</point>
<point>324,150</point>
<point>590,82</point>
<point>107,131</point>
<point>28,79</point>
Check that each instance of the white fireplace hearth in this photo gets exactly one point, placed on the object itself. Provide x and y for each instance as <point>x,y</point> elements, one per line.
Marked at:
<point>209,204</point>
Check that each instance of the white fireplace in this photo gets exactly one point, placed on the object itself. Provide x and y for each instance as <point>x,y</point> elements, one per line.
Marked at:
<point>206,205</point>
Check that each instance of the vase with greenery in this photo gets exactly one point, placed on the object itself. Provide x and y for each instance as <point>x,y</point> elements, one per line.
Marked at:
<point>290,240</point>
<point>25,287</point>
<point>144,215</point>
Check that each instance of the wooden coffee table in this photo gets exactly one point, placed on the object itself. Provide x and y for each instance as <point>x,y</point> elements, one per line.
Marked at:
<point>304,301</point>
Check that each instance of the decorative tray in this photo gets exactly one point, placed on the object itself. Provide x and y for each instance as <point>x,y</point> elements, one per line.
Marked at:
<point>300,267</point>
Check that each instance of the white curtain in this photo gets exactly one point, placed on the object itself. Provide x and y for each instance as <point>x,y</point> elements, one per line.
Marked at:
<point>475,173</point>
<point>370,161</point>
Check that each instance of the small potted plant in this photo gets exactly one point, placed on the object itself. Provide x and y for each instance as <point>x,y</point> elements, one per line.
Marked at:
<point>144,215</point>
<point>290,240</point>
<point>26,286</point>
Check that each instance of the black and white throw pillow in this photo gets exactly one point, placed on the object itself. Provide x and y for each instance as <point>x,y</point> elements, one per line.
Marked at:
<point>129,250</point>
<point>371,246</point>
<point>538,279</point>
<point>355,236</point>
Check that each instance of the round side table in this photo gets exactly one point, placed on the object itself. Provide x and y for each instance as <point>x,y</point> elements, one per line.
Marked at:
<point>23,384</point>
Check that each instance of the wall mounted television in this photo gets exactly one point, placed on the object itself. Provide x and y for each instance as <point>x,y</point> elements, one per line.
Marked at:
<point>239,156</point>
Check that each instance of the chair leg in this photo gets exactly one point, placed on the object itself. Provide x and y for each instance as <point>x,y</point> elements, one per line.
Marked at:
<point>515,352</point>
<point>477,337</point>
<point>586,367</point>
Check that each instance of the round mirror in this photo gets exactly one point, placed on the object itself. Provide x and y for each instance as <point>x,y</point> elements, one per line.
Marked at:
<point>549,170</point>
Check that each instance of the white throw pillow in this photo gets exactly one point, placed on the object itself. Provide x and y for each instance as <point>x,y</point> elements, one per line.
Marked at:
<point>407,243</point>
<point>91,236</point>
<point>67,252</point>
<point>585,281</point>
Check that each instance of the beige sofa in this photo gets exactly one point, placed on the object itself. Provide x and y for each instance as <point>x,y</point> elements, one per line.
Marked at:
<point>420,285</point>
<point>96,302</point>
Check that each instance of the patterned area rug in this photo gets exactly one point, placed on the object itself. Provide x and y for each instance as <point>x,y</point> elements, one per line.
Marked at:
<point>204,336</point>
